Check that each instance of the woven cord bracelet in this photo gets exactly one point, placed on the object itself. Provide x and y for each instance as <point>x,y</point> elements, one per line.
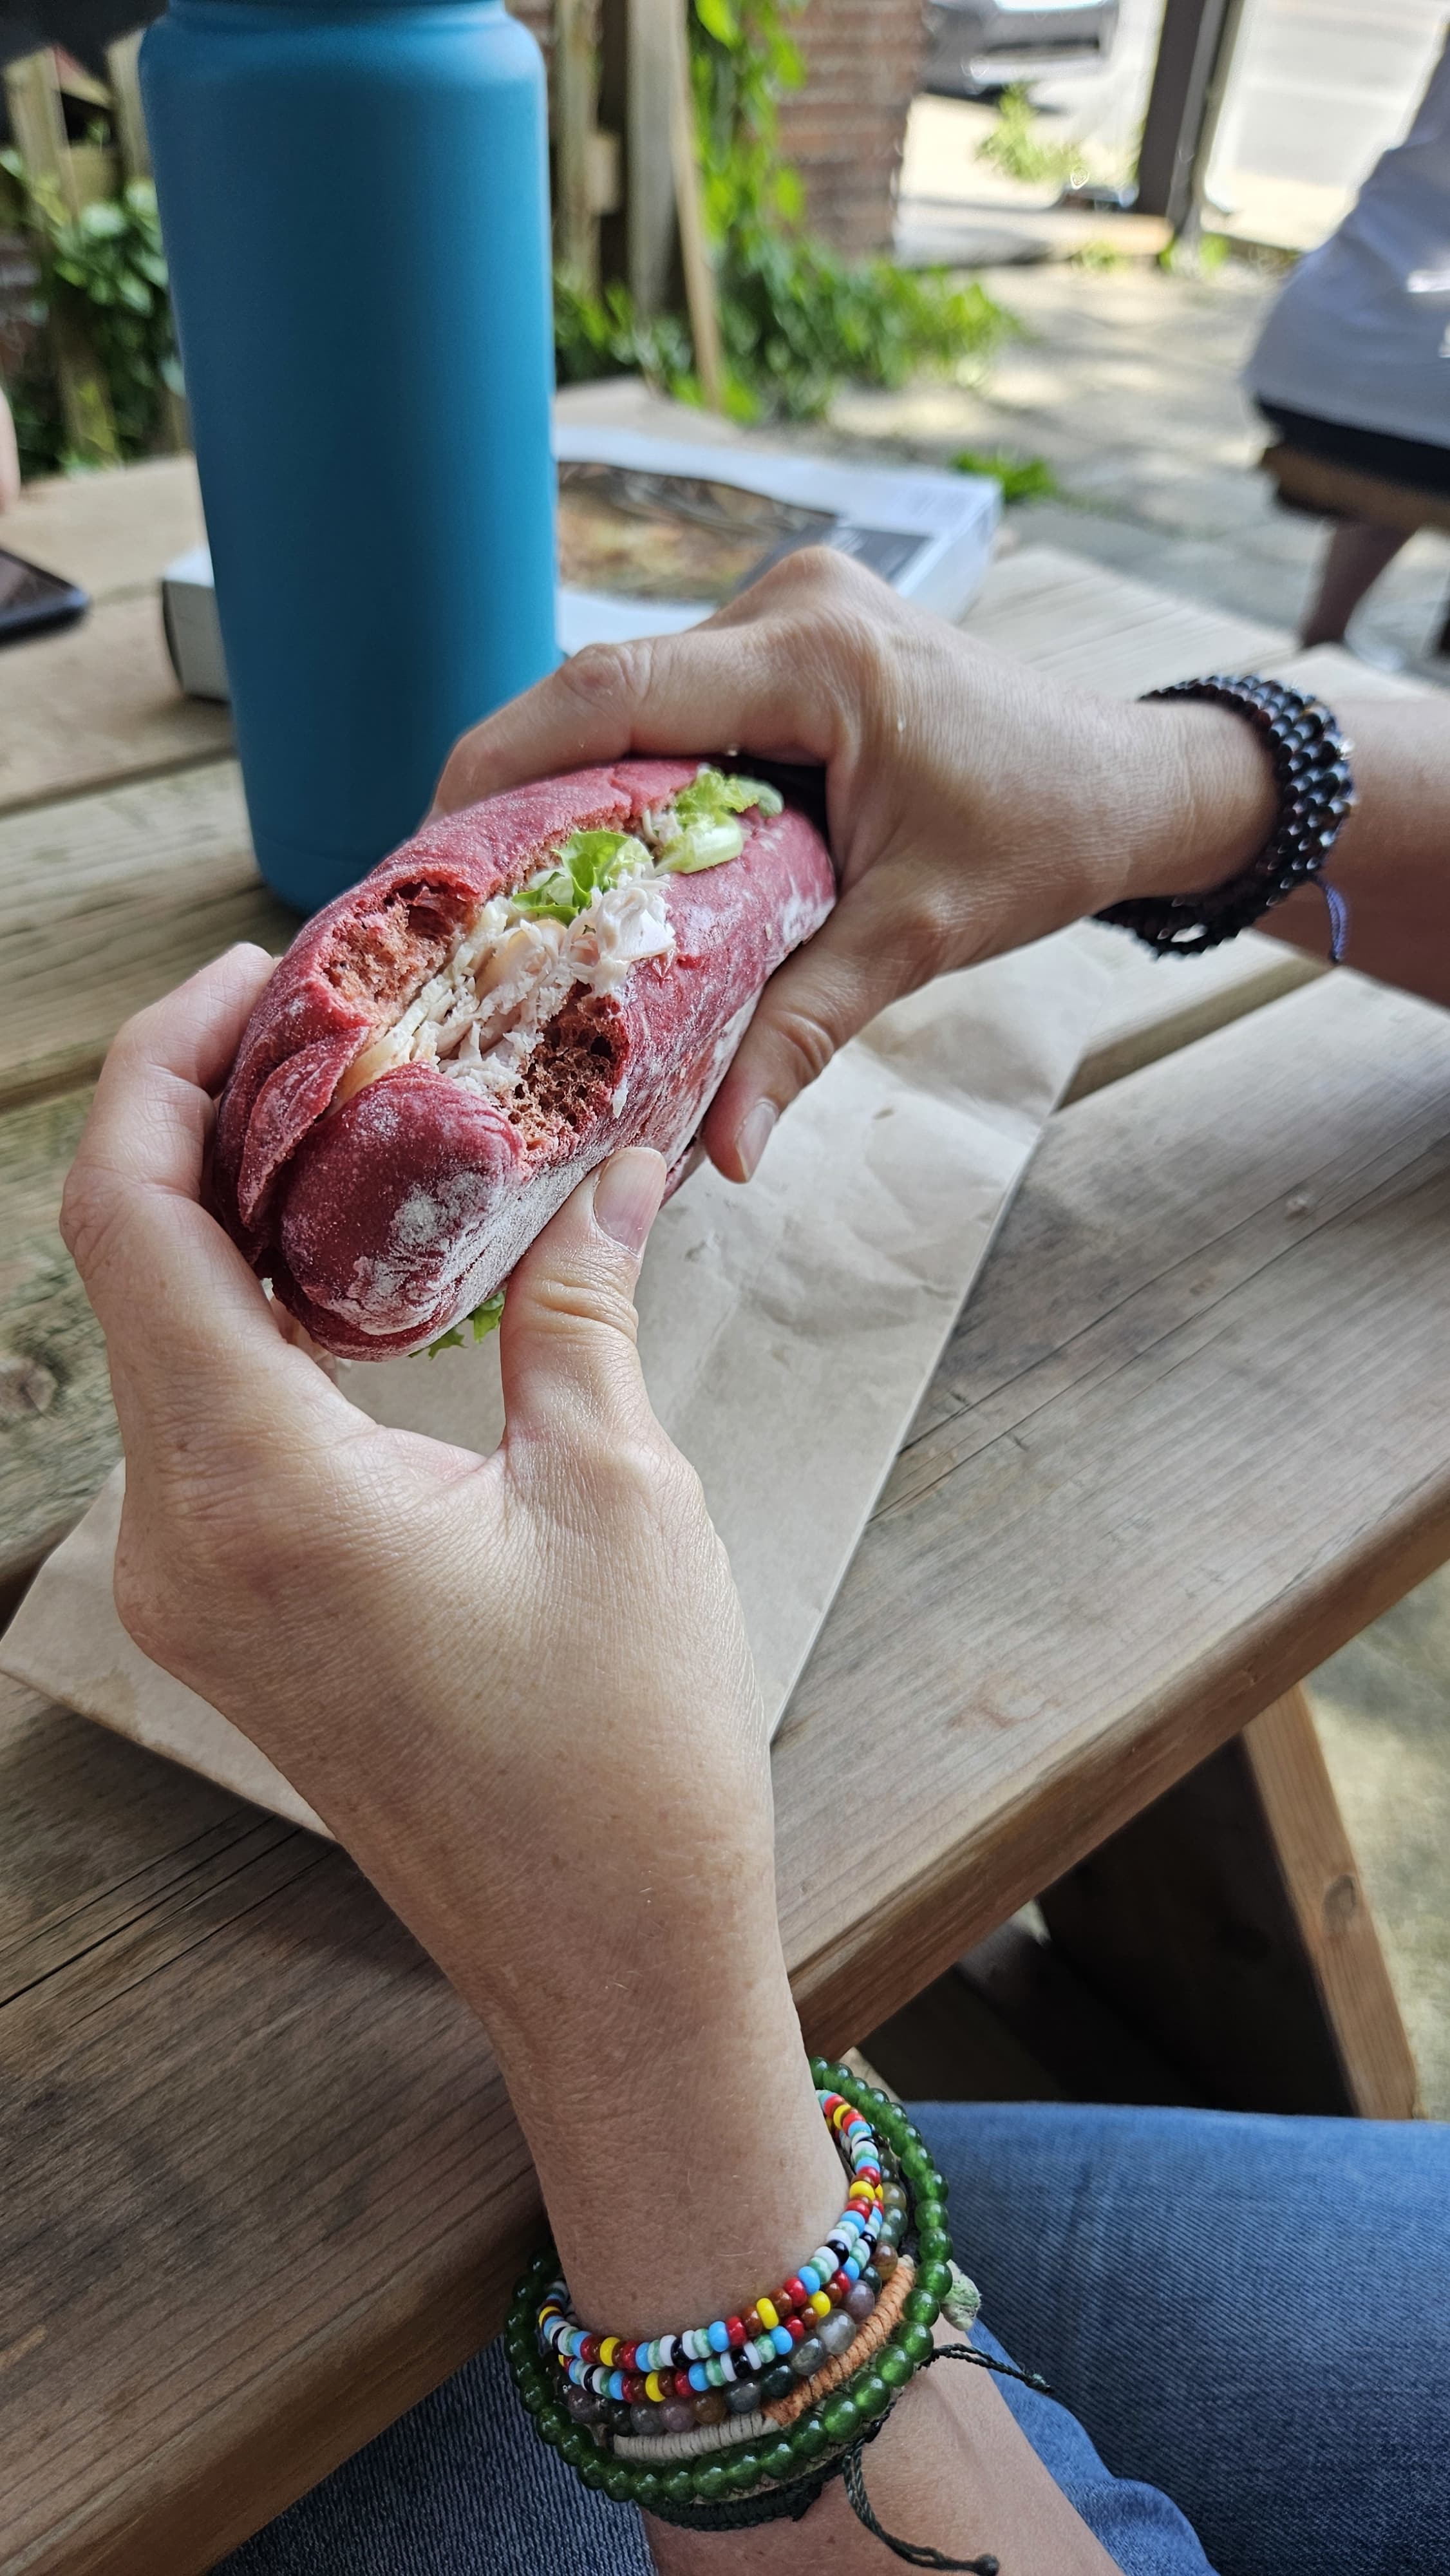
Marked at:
<point>1316,794</point>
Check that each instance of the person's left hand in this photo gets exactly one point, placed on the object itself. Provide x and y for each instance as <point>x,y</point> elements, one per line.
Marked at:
<point>518,1688</point>
<point>398,1624</point>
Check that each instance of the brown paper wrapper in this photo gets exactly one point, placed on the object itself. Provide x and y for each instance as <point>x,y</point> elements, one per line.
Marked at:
<point>788,1332</point>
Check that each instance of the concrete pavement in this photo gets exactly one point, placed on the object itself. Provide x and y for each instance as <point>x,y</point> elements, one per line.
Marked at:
<point>1126,380</point>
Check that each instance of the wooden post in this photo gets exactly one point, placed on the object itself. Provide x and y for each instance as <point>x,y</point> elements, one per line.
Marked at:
<point>690,213</point>
<point>1194,52</point>
<point>1190,221</point>
<point>576,112</point>
<point>644,85</point>
<point>131,142</point>
<point>650,176</point>
<point>32,94</point>
<point>1228,1924</point>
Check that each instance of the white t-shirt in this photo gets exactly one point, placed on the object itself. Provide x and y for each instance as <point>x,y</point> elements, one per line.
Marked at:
<point>1361,332</point>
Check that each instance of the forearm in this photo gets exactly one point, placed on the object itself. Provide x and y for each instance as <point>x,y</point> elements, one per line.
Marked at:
<point>652,2052</point>
<point>1214,807</point>
<point>722,2181</point>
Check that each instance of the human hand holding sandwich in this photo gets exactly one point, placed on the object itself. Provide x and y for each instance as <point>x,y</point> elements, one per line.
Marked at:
<point>518,1687</point>
<point>518,1690</point>
<point>974,803</point>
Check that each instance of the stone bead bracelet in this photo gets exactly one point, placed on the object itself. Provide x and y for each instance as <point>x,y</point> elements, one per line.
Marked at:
<point>781,2412</point>
<point>1315,788</point>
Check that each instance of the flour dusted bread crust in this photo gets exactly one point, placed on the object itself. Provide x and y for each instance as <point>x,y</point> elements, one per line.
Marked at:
<point>447,1049</point>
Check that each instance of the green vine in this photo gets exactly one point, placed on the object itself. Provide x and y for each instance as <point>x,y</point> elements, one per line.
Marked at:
<point>797,320</point>
<point>106,270</point>
<point>742,63</point>
<point>1021,146</point>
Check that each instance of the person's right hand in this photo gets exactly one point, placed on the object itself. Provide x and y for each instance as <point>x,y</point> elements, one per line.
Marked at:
<point>973,803</point>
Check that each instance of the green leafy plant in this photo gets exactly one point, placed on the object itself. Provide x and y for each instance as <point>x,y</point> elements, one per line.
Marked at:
<point>105,269</point>
<point>1019,148</point>
<point>1202,255</point>
<point>601,335</point>
<point>742,63</point>
<point>1097,254</point>
<point>796,319</point>
<point>1023,478</point>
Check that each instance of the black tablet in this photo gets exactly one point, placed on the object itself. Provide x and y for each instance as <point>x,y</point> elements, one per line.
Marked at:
<point>31,599</point>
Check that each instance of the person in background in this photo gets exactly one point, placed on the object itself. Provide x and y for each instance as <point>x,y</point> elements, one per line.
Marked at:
<point>1353,363</point>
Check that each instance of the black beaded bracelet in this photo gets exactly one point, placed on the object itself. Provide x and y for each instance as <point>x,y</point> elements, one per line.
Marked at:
<point>1316,793</point>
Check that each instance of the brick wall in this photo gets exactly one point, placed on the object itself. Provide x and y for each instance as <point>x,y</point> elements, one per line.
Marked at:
<point>844,130</point>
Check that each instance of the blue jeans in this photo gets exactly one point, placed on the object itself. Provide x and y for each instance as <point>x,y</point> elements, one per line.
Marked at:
<point>1250,2315</point>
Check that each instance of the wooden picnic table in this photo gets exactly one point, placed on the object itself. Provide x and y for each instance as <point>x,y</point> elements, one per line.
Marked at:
<point>262,2187</point>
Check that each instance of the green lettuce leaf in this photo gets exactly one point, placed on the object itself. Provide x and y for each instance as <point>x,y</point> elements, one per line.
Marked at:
<point>706,811</point>
<point>703,845</point>
<point>587,863</point>
<point>711,797</point>
<point>484,1318</point>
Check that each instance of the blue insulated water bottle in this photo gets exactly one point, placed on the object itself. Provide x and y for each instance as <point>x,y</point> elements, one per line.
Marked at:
<point>355,205</point>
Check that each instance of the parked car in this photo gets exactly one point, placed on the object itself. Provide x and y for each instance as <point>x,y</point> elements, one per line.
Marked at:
<point>976,45</point>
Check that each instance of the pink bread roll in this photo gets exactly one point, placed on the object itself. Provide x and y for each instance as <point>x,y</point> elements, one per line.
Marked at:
<point>447,1049</point>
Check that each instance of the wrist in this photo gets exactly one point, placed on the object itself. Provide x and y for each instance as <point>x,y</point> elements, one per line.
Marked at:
<point>681,2151</point>
<point>1202,798</point>
<point>643,2021</point>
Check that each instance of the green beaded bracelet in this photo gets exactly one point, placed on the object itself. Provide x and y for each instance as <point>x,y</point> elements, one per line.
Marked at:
<point>761,2479</point>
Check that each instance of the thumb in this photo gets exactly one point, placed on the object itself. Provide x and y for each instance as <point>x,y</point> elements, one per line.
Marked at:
<point>874,947</point>
<point>567,1350</point>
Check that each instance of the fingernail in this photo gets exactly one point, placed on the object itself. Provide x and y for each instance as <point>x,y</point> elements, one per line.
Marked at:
<point>627,1196</point>
<point>754,1136</point>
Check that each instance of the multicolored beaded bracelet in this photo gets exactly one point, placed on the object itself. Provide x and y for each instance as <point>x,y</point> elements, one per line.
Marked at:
<point>780,2413</point>
<point>792,2329</point>
<point>755,2479</point>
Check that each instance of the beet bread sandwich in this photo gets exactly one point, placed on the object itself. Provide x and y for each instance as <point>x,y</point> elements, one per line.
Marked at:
<point>449,1047</point>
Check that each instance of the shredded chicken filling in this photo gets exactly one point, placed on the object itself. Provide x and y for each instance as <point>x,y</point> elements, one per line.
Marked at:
<point>585,920</point>
<point>482,1015</point>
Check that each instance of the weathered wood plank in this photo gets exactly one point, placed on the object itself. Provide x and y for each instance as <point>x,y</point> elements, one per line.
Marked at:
<point>1100,630</point>
<point>1193,1431</point>
<point>155,2424</point>
<point>113,533</point>
<point>98,702</point>
<point>1331,1909</point>
<point>58,1436</point>
<point>1158,1004</point>
<point>107,901</point>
